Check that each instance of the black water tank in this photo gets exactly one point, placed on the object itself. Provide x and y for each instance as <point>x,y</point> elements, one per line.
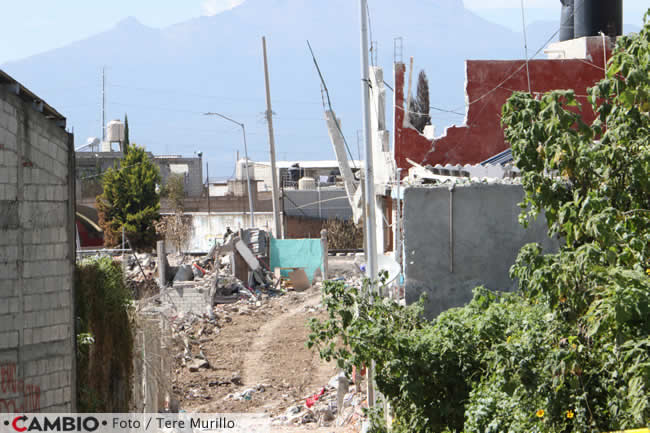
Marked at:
<point>594,16</point>
<point>566,20</point>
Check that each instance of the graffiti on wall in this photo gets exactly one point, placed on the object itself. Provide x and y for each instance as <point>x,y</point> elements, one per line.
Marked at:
<point>15,394</point>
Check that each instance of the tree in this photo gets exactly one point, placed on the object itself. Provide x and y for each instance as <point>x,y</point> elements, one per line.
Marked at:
<point>419,107</point>
<point>126,132</point>
<point>130,200</point>
<point>175,228</point>
<point>174,191</point>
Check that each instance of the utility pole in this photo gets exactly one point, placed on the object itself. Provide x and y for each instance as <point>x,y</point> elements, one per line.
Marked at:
<point>369,178</point>
<point>103,104</point>
<point>274,175</point>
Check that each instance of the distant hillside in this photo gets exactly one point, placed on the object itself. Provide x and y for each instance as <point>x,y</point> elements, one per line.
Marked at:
<point>165,78</point>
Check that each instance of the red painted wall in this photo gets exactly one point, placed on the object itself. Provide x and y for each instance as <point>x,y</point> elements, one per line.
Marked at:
<point>489,84</point>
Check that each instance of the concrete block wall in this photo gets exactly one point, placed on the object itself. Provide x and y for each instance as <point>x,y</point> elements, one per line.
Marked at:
<point>36,260</point>
<point>189,296</point>
<point>193,178</point>
<point>484,242</point>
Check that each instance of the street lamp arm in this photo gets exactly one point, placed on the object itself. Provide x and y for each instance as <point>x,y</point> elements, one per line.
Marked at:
<point>248,179</point>
<point>224,117</point>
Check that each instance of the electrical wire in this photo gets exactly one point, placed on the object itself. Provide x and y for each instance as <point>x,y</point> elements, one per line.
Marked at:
<point>500,86</point>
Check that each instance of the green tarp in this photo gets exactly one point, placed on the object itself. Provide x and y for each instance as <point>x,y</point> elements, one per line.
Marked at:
<point>297,253</point>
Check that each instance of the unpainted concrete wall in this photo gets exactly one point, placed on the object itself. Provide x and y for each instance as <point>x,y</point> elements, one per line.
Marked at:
<point>486,240</point>
<point>37,253</point>
<point>206,228</point>
<point>193,178</point>
<point>323,204</point>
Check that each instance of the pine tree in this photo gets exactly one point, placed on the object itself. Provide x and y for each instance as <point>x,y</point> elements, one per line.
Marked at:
<point>419,107</point>
<point>130,200</point>
<point>126,132</point>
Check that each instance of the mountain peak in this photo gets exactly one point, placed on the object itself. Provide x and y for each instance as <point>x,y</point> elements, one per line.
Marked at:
<point>130,22</point>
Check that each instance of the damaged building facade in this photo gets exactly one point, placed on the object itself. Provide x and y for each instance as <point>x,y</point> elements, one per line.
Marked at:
<point>37,254</point>
<point>447,207</point>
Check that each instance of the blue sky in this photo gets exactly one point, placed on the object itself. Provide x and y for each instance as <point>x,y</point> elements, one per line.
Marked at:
<point>33,26</point>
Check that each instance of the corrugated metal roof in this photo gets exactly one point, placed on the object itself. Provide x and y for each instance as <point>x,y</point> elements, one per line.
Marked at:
<point>308,164</point>
<point>502,158</point>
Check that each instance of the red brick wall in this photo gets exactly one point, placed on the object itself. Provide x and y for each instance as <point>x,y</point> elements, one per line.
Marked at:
<point>489,84</point>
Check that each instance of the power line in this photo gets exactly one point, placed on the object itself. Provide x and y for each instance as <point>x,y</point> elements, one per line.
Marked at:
<point>500,85</point>
<point>522,65</point>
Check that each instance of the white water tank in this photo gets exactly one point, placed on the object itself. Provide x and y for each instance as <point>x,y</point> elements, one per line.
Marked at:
<point>115,131</point>
<point>307,183</point>
<point>240,170</point>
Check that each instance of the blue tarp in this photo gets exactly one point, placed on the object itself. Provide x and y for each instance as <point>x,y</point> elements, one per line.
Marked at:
<point>297,253</point>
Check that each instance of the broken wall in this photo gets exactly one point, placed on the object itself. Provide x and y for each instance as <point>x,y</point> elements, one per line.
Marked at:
<point>37,255</point>
<point>207,227</point>
<point>457,240</point>
<point>489,84</point>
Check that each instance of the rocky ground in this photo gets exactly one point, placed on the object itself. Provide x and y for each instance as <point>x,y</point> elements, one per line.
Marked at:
<point>250,356</point>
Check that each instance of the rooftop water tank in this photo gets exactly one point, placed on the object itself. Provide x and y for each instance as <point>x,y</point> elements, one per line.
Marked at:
<point>240,170</point>
<point>307,183</point>
<point>590,17</point>
<point>115,131</point>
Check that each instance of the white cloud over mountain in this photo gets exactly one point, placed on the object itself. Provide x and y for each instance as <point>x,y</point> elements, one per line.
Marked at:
<point>213,7</point>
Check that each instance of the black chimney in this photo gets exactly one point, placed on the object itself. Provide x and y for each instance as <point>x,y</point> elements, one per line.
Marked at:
<point>566,21</point>
<point>594,16</point>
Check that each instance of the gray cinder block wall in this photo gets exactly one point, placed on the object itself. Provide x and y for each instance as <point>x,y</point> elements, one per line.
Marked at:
<point>484,242</point>
<point>193,178</point>
<point>37,252</point>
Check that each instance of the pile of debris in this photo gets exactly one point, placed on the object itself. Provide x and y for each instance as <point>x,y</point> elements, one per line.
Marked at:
<point>337,404</point>
<point>140,272</point>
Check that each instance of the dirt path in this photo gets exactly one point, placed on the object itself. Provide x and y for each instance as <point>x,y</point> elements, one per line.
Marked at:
<point>262,345</point>
<point>280,347</point>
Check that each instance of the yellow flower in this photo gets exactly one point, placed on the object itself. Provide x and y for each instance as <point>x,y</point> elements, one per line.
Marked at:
<point>508,339</point>
<point>569,414</point>
<point>647,271</point>
<point>540,413</point>
<point>573,346</point>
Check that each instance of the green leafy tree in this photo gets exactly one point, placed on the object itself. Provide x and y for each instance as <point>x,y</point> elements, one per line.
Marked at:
<point>174,191</point>
<point>175,228</point>
<point>130,200</point>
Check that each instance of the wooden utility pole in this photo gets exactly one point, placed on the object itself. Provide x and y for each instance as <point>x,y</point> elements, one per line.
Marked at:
<point>274,176</point>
